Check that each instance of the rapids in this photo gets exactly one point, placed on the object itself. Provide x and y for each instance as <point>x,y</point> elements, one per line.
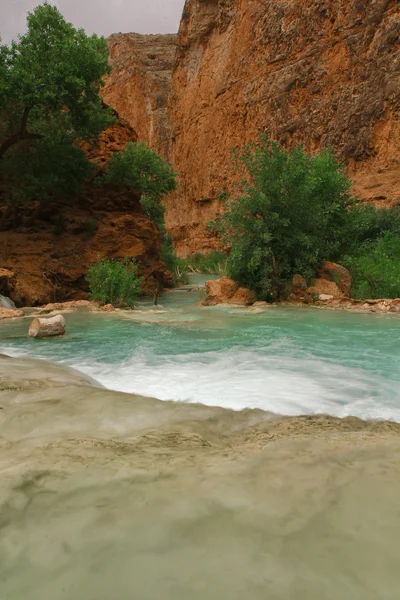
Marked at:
<point>285,360</point>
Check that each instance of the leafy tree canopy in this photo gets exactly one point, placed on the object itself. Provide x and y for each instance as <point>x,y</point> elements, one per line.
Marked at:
<point>139,167</point>
<point>52,68</point>
<point>50,81</point>
<point>288,217</point>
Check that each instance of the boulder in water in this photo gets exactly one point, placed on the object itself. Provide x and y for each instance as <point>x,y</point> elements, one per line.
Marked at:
<point>227,291</point>
<point>52,327</point>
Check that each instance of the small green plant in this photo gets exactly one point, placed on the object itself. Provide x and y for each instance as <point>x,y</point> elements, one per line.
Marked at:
<point>214,263</point>
<point>115,282</point>
<point>376,270</point>
<point>315,297</point>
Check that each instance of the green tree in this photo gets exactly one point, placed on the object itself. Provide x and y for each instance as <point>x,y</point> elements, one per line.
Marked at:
<point>138,167</point>
<point>53,67</point>
<point>288,217</point>
<point>115,282</point>
<point>50,82</point>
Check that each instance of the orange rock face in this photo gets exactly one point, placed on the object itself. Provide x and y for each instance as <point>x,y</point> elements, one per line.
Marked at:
<point>140,83</point>
<point>48,261</point>
<point>319,73</point>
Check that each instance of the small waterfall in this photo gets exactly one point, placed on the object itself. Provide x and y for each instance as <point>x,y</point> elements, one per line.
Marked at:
<point>7,303</point>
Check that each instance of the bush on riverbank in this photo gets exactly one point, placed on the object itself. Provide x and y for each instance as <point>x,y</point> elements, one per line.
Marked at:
<point>375,269</point>
<point>289,216</point>
<point>292,212</point>
<point>115,282</point>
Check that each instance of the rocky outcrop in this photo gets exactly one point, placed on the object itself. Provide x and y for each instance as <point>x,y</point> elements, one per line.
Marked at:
<point>333,281</point>
<point>8,313</point>
<point>140,83</point>
<point>48,261</point>
<point>226,291</point>
<point>322,73</point>
<point>337,274</point>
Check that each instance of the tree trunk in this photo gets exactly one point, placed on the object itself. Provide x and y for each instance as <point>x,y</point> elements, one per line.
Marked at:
<point>41,328</point>
<point>22,134</point>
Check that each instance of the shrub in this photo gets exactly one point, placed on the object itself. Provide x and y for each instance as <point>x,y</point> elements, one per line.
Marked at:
<point>376,269</point>
<point>288,217</point>
<point>366,223</point>
<point>115,282</point>
<point>138,167</point>
<point>214,263</point>
<point>174,264</point>
<point>154,210</point>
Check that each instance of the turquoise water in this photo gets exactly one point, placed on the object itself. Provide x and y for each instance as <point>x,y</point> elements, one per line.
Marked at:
<point>285,360</point>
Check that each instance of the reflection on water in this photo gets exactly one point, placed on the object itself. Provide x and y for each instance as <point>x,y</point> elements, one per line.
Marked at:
<point>107,496</point>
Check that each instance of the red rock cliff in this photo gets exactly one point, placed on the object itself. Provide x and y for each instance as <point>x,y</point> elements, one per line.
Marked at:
<point>139,86</point>
<point>47,261</point>
<point>320,72</point>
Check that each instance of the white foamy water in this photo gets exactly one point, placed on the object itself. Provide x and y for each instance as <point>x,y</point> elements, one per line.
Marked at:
<point>239,379</point>
<point>286,361</point>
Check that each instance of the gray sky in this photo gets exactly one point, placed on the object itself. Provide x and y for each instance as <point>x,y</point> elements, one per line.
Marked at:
<point>99,16</point>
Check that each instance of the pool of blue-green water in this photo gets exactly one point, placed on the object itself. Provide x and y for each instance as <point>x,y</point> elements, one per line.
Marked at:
<point>285,360</point>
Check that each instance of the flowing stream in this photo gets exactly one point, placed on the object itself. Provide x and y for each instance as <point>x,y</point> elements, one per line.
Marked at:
<point>107,493</point>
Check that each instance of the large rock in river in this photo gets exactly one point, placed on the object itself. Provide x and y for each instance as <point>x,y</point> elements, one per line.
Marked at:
<point>227,291</point>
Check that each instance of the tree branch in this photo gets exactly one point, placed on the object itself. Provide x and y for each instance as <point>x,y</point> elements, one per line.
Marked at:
<point>22,134</point>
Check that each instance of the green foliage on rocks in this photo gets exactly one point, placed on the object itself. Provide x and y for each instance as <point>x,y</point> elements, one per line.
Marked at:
<point>115,282</point>
<point>292,212</point>
<point>138,167</point>
<point>375,269</point>
<point>288,216</point>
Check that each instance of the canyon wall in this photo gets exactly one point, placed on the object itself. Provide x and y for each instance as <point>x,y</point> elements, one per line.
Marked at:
<point>319,72</point>
<point>140,83</point>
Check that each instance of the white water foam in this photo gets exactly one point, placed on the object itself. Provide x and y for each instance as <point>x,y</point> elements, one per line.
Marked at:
<point>239,379</point>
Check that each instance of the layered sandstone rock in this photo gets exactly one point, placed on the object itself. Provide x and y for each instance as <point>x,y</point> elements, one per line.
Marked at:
<point>323,73</point>
<point>140,83</point>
